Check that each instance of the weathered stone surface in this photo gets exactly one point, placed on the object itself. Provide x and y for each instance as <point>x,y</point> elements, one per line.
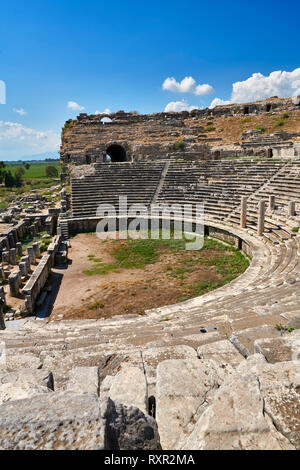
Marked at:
<point>183,391</point>
<point>129,387</point>
<point>153,356</point>
<point>133,430</point>
<point>244,340</point>
<point>64,421</point>
<point>17,361</point>
<point>278,349</point>
<point>235,420</point>
<point>84,380</point>
<point>221,351</point>
<point>279,384</point>
<point>24,383</point>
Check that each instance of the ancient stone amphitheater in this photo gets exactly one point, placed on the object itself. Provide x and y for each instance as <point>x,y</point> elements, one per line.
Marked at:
<point>213,372</point>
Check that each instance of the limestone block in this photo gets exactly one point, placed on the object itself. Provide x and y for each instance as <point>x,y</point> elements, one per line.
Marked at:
<point>221,351</point>
<point>183,390</point>
<point>153,356</point>
<point>244,340</point>
<point>279,384</point>
<point>84,380</point>
<point>13,256</point>
<point>235,420</point>
<point>16,361</point>
<point>129,387</point>
<point>65,421</point>
<point>24,383</point>
<point>282,349</point>
<point>13,281</point>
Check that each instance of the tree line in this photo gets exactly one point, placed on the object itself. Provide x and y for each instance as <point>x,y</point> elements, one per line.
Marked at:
<point>16,180</point>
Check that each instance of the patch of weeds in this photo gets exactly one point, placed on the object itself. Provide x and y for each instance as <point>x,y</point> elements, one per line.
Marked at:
<point>280,327</point>
<point>179,145</point>
<point>210,129</point>
<point>260,128</point>
<point>295,229</point>
<point>96,305</point>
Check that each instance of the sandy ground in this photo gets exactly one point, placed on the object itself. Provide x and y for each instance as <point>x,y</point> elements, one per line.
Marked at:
<point>128,291</point>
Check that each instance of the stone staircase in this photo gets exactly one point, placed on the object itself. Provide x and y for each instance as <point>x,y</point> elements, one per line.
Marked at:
<point>137,181</point>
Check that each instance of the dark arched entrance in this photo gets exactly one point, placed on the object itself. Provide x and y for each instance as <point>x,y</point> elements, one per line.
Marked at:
<point>117,153</point>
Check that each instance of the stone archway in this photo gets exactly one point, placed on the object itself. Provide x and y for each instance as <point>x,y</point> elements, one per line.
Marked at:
<point>117,153</point>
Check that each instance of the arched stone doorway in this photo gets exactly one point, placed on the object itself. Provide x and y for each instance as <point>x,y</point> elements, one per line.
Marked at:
<point>117,153</point>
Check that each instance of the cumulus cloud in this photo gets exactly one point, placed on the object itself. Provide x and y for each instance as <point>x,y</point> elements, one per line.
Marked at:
<point>259,87</point>
<point>218,102</point>
<point>75,106</point>
<point>20,111</point>
<point>17,140</point>
<point>187,85</point>
<point>177,106</point>
<point>106,111</point>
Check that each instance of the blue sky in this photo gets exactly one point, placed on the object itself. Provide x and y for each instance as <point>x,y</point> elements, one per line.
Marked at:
<point>117,55</point>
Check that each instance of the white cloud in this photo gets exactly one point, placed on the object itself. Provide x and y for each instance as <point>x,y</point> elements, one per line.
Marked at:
<point>218,102</point>
<point>106,111</point>
<point>17,140</point>
<point>75,106</point>
<point>187,85</point>
<point>258,87</point>
<point>20,111</point>
<point>177,106</point>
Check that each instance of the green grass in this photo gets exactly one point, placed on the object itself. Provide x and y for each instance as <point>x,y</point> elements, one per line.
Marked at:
<point>36,170</point>
<point>228,261</point>
<point>210,129</point>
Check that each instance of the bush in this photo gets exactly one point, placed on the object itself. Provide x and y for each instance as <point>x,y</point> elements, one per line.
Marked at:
<point>280,123</point>
<point>285,116</point>
<point>260,128</point>
<point>179,145</point>
<point>210,129</point>
<point>51,171</point>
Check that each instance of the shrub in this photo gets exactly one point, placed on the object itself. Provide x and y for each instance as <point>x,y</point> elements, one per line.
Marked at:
<point>210,129</point>
<point>280,123</point>
<point>51,171</point>
<point>285,116</point>
<point>260,128</point>
<point>179,145</point>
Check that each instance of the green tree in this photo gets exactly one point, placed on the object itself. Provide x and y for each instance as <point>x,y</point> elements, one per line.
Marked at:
<point>51,171</point>
<point>9,180</point>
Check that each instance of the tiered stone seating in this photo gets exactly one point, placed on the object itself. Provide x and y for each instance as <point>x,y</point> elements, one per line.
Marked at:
<point>180,361</point>
<point>137,181</point>
<point>219,184</point>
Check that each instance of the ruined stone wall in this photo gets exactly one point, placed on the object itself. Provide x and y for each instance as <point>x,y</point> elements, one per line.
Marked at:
<point>155,136</point>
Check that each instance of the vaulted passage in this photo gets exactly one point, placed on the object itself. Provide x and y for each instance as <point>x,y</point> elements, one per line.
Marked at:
<point>117,153</point>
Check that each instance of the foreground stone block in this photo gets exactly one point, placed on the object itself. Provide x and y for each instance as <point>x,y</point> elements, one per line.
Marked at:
<point>235,420</point>
<point>221,351</point>
<point>84,380</point>
<point>183,391</point>
<point>24,383</point>
<point>279,385</point>
<point>64,421</point>
<point>279,349</point>
<point>129,387</point>
<point>154,356</point>
<point>17,361</point>
<point>244,340</point>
